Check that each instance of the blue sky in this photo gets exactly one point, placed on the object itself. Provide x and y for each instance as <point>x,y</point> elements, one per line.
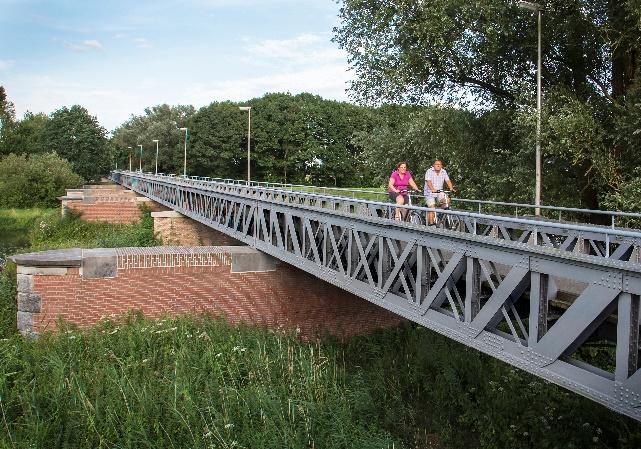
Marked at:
<point>118,57</point>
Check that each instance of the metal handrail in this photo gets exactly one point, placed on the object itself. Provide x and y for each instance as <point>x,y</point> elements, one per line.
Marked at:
<point>607,231</point>
<point>461,200</point>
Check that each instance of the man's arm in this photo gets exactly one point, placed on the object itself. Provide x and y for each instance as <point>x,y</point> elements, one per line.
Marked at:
<point>450,185</point>
<point>430,186</point>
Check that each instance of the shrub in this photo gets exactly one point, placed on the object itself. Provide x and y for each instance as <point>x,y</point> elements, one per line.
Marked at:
<point>34,181</point>
<point>52,230</point>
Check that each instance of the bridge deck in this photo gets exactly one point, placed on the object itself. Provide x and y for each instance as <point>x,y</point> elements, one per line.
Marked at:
<point>494,283</point>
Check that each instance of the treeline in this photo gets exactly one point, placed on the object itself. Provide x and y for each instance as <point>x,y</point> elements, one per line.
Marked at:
<point>304,139</point>
<point>294,139</point>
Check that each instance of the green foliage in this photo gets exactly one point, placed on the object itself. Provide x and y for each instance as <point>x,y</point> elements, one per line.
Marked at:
<point>158,123</point>
<point>414,51</point>
<point>295,139</point>
<point>78,137</point>
<point>7,118</point>
<point>8,293</point>
<point>428,384</point>
<point>27,135</point>
<point>52,230</point>
<point>34,181</point>
<point>196,382</point>
<point>481,54</point>
<point>180,383</point>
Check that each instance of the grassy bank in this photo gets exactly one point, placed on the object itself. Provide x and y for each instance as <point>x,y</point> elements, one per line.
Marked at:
<point>199,383</point>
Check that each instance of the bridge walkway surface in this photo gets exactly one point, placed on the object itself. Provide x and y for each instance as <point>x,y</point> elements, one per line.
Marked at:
<point>531,292</point>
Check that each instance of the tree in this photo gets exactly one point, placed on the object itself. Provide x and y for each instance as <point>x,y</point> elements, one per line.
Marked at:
<point>34,181</point>
<point>216,136</point>
<point>160,123</point>
<point>482,53</point>
<point>77,136</point>
<point>300,138</point>
<point>27,135</point>
<point>7,117</point>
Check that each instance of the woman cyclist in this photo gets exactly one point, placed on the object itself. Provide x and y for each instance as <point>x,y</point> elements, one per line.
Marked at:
<point>397,186</point>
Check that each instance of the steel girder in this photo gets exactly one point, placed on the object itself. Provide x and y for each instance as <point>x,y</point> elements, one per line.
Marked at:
<point>494,295</point>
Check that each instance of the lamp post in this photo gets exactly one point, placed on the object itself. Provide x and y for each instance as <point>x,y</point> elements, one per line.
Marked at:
<point>248,109</point>
<point>185,161</point>
<point>537,188</point>
<point>129,158</point>
<point>140,158</point>
<point>156,140</point>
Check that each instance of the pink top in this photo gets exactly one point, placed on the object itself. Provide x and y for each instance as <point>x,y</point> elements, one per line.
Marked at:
<point>401,183</point>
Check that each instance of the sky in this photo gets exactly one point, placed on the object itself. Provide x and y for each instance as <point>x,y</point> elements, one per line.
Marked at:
<point>118,57</point>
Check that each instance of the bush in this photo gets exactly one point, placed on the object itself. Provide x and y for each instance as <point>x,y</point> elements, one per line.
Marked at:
<point>52,230</point>
<point>34,181</point>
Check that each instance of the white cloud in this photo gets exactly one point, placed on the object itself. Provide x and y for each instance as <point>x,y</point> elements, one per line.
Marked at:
<point>93,44</point>
<point>304,49</point>
<point>329,81</point>
<point>6,64</point>
<point>111,105</point>
<point>86,45</point>
<point>141,42</point>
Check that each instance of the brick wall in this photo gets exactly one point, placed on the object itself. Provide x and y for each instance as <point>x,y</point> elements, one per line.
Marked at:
<point>109,203</point>
<point>173,228</point>
<point>239,283</point>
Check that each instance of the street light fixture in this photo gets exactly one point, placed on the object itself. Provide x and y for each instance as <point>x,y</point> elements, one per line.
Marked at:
<point>248,109</point>
<point>140,158</point>
<point>185,161</point>
<point>537,188</point>
<point>156,140</point>
<point>129,158</point>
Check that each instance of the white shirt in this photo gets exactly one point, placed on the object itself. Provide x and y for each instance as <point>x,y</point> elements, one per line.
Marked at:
<point>438,179</point>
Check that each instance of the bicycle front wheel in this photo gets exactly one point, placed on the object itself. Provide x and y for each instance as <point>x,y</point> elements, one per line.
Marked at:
<point>415,218</point>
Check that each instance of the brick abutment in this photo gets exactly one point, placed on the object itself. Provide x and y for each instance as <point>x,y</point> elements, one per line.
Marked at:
<point>238,283</point>
<point>110,203</point>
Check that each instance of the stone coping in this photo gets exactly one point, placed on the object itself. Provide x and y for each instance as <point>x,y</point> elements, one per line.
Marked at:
<point>54,258</point>
<point>167,214</point>
<point>103,262</point>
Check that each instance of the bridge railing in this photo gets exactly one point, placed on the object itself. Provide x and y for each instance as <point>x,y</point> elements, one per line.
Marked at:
<point>490,207</point>
<point>600,241</point>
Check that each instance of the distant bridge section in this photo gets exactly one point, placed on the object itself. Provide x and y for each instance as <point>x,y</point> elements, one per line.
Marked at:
<point>534,293</point>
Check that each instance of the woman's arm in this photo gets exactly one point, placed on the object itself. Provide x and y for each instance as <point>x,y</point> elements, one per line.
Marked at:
<point>390,185</point>
<point>414,186</point>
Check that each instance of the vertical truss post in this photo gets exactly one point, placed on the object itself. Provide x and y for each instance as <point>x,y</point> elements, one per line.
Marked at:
<point>627,336</point>
<point>538,321</point>
<point>325,243</point>
<point>472,289</point>
<point>352,251</point>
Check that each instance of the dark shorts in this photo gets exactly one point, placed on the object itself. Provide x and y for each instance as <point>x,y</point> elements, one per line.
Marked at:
<point>393,195</point>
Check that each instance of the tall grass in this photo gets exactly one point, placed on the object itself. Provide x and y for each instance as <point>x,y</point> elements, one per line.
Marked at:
<point>181,383</point>
<point>196,382</point>
<point>51,230</point>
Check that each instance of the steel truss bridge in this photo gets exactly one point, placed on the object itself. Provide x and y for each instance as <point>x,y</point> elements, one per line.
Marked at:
<point>531,292</point>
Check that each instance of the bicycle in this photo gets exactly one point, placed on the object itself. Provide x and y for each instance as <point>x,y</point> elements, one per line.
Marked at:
<point>407,215</point>
<point>448,222</point>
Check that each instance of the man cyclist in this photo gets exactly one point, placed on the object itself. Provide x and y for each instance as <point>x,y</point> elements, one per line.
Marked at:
<point>435,177</point>
<point>399,180</point>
